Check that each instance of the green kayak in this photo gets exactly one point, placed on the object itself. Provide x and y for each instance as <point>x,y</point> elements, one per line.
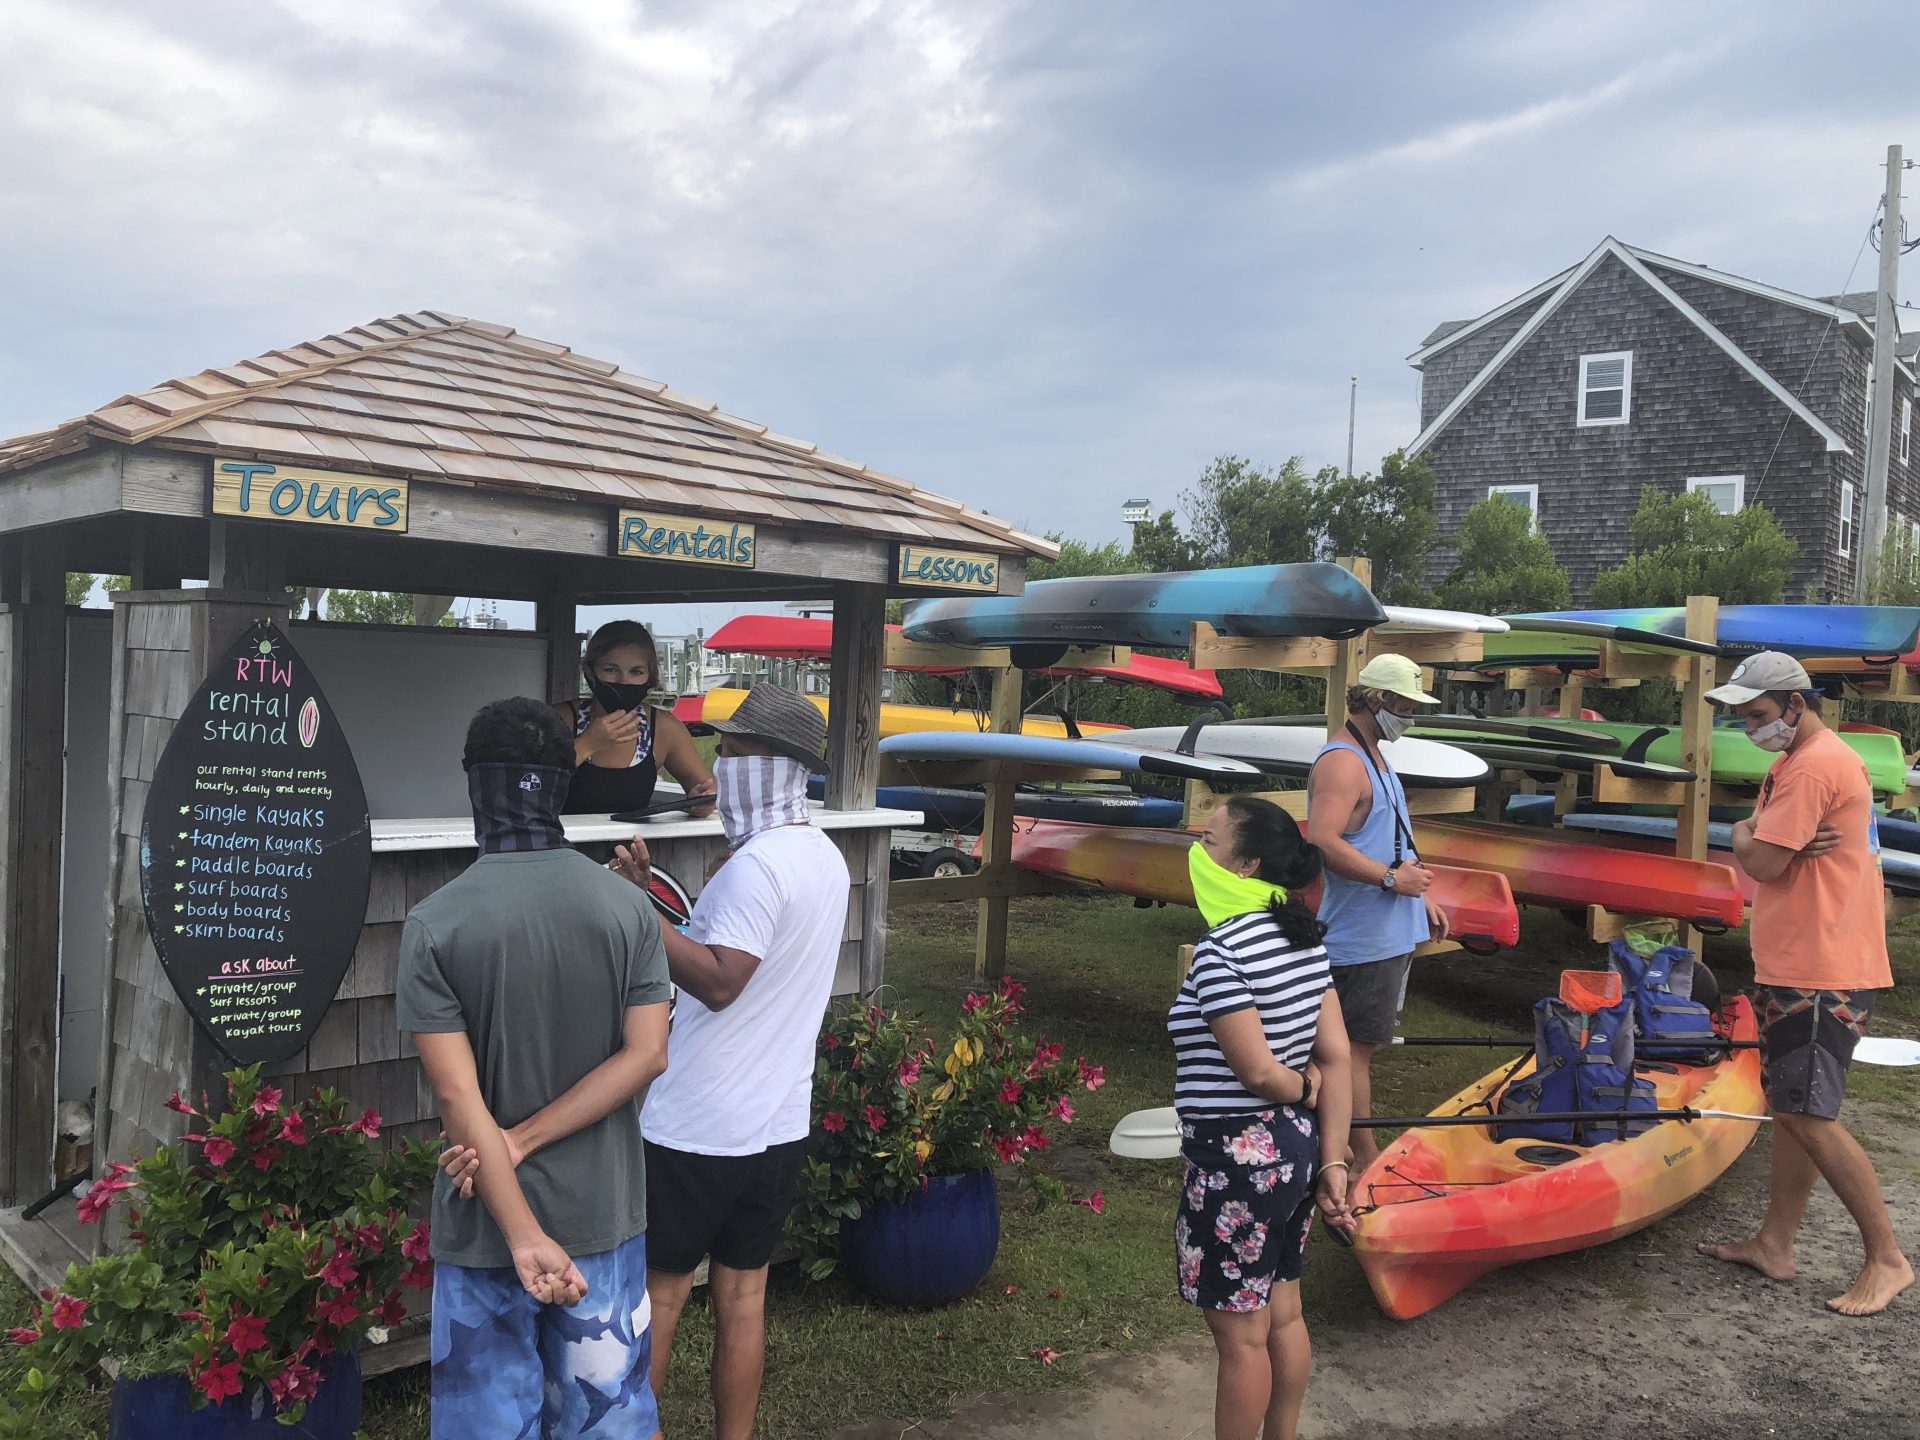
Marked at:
<point>1736,759</point>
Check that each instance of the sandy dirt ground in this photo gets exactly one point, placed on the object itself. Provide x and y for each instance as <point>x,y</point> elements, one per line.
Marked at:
<point>1641,1339</point>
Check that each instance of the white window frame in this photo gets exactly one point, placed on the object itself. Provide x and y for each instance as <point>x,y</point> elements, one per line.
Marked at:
<point>1846,518</point>
<point>1906,429</point>
<point>1626,387</point>
<point>1532,492</point>
<point>1739,483</point>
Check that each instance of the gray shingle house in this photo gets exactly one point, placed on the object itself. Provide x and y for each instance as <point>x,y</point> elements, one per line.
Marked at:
<point>1633,369</point>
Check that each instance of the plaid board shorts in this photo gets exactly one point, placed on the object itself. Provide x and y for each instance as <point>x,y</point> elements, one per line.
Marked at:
<point>1806,1046</point>
<point>505,1365</point>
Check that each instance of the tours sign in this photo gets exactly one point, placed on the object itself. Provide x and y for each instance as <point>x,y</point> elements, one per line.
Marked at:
<point>255,490</point>
<point>256,852</point>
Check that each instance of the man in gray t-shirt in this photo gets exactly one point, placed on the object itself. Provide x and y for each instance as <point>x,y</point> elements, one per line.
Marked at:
<point>535,986</point>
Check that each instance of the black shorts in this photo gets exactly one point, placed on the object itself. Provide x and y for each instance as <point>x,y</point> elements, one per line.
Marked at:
<point>1806,1046</point>
<point>1371,996</point>
<point>730,1207</point>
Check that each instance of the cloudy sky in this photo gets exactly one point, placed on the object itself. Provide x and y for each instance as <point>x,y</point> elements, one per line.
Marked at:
<point>1041,256</point>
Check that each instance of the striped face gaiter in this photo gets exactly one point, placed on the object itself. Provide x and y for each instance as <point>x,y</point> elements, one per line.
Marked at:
<point>517,807</point>
<point>759,792</point>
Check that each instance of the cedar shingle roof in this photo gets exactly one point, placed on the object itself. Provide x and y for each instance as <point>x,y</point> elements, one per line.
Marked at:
<point>439,397</point>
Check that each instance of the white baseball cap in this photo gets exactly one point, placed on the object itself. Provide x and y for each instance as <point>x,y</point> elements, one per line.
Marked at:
<point>1758,674</point>
<point>1396,675</point>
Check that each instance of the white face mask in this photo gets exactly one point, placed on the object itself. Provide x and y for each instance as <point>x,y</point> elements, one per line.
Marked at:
<point>1775,735</point>
<point>758,792</point>
<point>1391,726</point>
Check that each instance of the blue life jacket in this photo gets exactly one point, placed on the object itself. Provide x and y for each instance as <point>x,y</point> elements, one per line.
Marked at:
<point>1668,1023</point>
<point>1581,1063</point>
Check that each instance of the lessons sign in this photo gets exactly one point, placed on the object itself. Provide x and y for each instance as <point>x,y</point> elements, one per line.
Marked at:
<point>254,490</point>
<point>256,852</point>
<point>657,535</point>
<point>970,571</point>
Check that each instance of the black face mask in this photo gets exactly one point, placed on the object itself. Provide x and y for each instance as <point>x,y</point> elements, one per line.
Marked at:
<point>614,696</point>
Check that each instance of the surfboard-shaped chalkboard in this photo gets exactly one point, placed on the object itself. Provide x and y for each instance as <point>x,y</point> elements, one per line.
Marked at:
<point>256,853</point>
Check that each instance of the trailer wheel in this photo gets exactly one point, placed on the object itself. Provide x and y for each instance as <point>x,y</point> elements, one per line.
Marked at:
<point>945,863</point>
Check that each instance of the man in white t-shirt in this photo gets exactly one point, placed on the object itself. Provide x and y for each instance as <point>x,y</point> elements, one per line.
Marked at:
<point>726,1126</point>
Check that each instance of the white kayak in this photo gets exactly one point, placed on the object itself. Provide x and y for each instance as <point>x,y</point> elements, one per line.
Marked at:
<point>1290,750</point>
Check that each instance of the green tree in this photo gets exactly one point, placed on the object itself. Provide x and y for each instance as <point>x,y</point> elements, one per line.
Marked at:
<point>1079,558</point>
<point>376,607</point>
<point>1159,545</point>
<point>1503,564</point>
<point>1683,545</point>
<point>80,585</point>
<point>1388,518</point>
<point>1240,514</point>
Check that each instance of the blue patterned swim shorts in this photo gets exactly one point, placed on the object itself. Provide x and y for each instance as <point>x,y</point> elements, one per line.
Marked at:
<point>506,1365</point>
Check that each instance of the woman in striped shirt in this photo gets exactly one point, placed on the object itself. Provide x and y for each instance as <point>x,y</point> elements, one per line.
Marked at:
<point>1262,1089</point>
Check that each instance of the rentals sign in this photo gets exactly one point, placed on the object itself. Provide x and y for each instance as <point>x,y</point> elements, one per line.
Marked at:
<point>254,490</point>
<point>655,535</point>
<point>967,570</point>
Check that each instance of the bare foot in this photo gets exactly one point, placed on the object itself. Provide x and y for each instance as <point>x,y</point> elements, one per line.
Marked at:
<point>1874,1290</point>
<point>1771,1263</point>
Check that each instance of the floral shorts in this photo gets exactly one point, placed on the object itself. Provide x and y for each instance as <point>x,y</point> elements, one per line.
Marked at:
<point>1248,1205</point>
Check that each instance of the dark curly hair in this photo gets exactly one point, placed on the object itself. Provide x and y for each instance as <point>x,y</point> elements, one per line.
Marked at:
<point>518,732</point>
<point>1264,832</point>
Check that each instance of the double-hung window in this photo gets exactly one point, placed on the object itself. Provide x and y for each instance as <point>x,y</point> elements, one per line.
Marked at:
<point>1728,492</point>
<point>1525,495</point>
<point>1606,388</point>
<point>1846,517</point>
<point>1906,431</point>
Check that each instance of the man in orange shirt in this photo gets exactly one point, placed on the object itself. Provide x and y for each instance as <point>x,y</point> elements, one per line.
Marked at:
<point>1819,936</point>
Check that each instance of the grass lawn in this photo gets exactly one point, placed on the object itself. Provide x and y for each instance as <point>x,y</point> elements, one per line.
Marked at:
<point>1100,976</point>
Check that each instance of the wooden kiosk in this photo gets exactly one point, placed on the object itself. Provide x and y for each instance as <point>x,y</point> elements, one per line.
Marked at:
<point>423,453</point>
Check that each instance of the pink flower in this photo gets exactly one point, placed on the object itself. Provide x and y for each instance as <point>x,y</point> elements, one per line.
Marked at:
<point>420,1277</point>
<point>416,1247</point>
<point>830,1040</point>
<point>247,1332</point>
<point>1034,1138</point>
<point>1010,1091</point>
<point>1092,1076</point>
<point>219,1151</point>
<point>370,1238</point>
<point>69,1313</point>
<point>177,1102</point>
<point>99,1197</point>
<point>1007,1149</point>
<point>1013,992</point>
<point>267,1101</point>
<point>263,1159</point>
<point>910,1071</point>
<point>1094,1202</point>
<point>1046,1354</point>
<point>1044,1059</point>
<point>368,1124</point>
<point>339,1272</point>
<point>972,1003</point>
<point>338,1310</point>
<point>296,1382</point>
<point>23,1335</point>
<point>219,1381</point>
<point>1011,1290</point>
<point>875,1117</point>
<point>293,1129</point>
<point>390,1311</point>
<point>1053,1294</point>
<point>833,1122</point>
<point>1063,1110</point>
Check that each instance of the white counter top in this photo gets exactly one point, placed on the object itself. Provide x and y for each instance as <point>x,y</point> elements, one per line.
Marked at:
<point>456,832</point>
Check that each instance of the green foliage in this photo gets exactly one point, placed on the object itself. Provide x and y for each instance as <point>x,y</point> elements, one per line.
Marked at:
<point>80,585</point>
<point>1079,558</point>
<point>1503,564</point>
<point>272,1236</point>
<point>1240,514</point>
<point>1683,545</point>
<point>1387,518</point>
<point>890,1109</point>
<point>377,607</point>
<point>1894,577</point>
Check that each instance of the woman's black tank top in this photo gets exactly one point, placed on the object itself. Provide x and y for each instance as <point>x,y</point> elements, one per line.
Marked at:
<point>601,789</point>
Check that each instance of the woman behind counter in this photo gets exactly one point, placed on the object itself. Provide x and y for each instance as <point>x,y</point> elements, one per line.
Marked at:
<point>620,742</point>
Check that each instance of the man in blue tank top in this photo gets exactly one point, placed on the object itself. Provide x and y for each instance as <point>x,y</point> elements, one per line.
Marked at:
<point>1374,903</point>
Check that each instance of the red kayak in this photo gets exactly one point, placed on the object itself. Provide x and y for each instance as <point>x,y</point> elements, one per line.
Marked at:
<point>1551,867</point>
<point>800,637</point>
<point>1152,865</point>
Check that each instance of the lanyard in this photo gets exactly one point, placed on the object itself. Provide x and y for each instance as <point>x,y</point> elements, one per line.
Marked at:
<point>1402,828</point>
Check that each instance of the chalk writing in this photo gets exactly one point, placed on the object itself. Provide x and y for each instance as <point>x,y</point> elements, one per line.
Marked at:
<point>255,852</point>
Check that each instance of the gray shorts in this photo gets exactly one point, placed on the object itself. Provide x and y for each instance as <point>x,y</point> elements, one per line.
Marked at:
<point>1806,1046</point>
<point>1371,996</point>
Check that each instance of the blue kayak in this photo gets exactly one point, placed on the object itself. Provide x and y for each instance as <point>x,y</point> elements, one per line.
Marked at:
<point>1881,631</point>
<point>1317,598</point>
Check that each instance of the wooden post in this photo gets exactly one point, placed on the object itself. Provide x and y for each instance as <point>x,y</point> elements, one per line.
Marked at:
<point>36,766</point>
<point>154,566</point>
<point>996,850</point>
<point>1696,742</point>
<point>557,623</point>
<point>853,719</point>
<point>246,558</point>
<point>1351,657</point>
<point>1567,791</point>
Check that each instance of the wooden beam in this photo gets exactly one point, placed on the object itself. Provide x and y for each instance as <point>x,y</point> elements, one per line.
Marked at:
<point>1696,742</point>
<point>39,763</point>
<point>1210,650</point>
<point>1351,657</point>
<point>12,687</point>
<point>853,720</point>
<point>1604,926</point>
<point>557,620</point>
<point>996,851</point>
<point>1431,647</point>
<point>60,491</point>
<point>1618,664</point>
<point>1567,790</point>
<point>155,564</point>
<point>248,557</point>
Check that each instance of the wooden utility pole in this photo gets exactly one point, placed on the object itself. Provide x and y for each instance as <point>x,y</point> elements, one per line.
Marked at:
<point>1353,403</point>
<point>1880,400</point>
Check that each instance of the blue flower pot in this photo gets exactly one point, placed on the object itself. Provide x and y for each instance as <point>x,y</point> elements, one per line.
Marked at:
<point>160,1407</point>
<point>932,1247</point>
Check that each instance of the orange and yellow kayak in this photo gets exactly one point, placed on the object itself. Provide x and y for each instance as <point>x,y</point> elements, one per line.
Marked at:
<point>1442,1207</point>
<point>720,703</point>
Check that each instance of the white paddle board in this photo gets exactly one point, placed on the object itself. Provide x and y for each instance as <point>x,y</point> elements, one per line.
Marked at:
<point>1420,618</point>
<point>1290,750</point>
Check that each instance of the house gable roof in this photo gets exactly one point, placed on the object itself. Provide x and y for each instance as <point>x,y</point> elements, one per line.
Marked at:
<point>1567,286</point>
<point>439,397</point>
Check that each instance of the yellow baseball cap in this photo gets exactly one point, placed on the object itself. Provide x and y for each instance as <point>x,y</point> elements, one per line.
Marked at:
<point>1396,675</point>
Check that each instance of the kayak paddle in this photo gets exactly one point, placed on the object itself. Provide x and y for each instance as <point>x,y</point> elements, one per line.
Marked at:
<point>1870,1049</point>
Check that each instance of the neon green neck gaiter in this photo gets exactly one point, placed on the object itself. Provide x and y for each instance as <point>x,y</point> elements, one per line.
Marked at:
<point>1221,894</point>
